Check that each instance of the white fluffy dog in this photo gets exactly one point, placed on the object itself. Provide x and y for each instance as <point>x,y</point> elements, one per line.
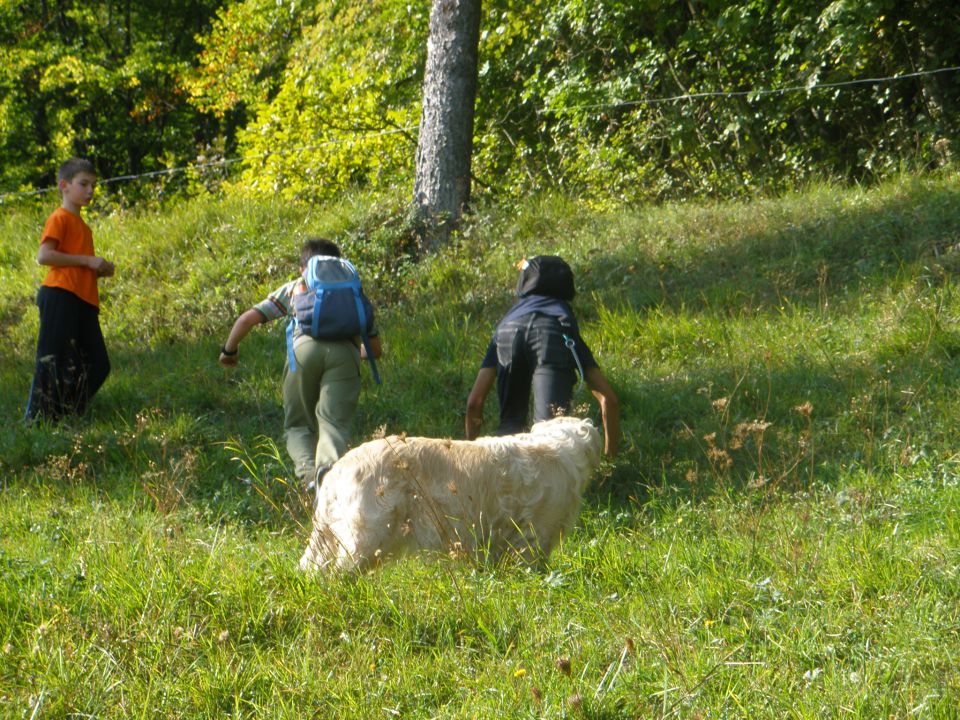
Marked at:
<point>485,498</point>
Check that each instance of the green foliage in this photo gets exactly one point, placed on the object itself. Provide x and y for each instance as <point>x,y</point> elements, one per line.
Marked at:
<point>342,112</point>
<point>646,100</point>
<point>98,79</point>
<point>243,52</point>
<point>607,100</point>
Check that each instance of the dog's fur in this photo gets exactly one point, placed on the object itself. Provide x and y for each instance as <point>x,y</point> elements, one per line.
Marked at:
<point>482,498</point>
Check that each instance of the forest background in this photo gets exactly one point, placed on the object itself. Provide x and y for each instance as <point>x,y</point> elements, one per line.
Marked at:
<point>614,101</point>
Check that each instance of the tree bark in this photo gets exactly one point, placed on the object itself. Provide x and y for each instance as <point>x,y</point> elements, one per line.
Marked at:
<point>442,186</point>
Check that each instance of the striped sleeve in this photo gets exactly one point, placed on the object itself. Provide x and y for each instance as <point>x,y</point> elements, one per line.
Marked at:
<point>277,304</point>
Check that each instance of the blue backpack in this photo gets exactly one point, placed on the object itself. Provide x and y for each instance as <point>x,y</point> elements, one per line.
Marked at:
<point>333,307</point>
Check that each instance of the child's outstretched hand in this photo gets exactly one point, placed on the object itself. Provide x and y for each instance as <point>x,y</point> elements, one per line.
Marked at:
<point>228,359</point>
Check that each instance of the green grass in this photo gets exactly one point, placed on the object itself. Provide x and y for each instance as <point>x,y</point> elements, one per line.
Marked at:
<point>779,536</point>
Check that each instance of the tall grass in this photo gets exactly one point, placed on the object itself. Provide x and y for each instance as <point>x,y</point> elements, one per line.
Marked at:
<point>778,537</point>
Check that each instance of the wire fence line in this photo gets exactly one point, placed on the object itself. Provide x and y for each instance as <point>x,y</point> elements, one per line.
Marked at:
<point>223,162</point>
<point>754,93</point>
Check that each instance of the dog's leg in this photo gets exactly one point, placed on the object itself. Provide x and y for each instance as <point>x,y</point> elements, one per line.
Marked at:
<point>328,553</point>
<point>528,545</point>
<point>322,550</point>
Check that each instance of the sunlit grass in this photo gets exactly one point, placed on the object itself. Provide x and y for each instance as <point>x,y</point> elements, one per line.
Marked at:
<point>778,538</point>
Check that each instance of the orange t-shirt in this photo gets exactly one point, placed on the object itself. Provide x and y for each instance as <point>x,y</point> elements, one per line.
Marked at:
<point>71,235</point>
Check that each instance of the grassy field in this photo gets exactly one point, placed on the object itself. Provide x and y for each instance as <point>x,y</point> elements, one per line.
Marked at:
<point>779,536</point>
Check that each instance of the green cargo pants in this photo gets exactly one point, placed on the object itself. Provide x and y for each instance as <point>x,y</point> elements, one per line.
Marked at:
<point>319,401</point>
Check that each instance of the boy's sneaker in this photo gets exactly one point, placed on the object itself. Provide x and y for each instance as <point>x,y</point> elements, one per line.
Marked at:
<point>305,474</point>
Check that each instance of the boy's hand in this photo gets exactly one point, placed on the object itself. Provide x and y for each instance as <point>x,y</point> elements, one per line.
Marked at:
<point>102,267</point>
<point>228,359</point>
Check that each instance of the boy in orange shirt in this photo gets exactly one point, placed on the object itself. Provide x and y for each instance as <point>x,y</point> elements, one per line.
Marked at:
<point>72,361</point>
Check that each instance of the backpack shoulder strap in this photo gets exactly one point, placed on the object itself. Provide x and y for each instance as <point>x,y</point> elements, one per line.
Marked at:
<point>291,357</point>
<point>362,314</point>
<point>291,326</point>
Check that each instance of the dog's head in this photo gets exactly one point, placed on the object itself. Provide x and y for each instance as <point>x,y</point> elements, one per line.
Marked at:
<point>579,431</point>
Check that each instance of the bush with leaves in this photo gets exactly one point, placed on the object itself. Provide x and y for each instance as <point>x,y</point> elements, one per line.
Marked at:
<point>98,79</point>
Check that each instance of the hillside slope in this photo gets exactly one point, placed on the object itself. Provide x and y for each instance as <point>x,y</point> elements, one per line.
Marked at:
<point>779,535</point>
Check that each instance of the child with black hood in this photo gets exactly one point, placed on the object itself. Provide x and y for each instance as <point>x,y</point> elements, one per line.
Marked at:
<point>537,346</point>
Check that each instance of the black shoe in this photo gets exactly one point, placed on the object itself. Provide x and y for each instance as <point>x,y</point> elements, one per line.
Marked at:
<point>314,485</point>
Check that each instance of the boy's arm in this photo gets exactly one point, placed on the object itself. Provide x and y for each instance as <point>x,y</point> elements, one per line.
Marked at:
<point>49,255</point>
<point>243,325</point>
<point>478,395</point>
<point>609,409</point>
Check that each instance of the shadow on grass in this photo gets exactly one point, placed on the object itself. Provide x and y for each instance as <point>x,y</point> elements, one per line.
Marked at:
<point>158,434</point>
<point>811,255</point>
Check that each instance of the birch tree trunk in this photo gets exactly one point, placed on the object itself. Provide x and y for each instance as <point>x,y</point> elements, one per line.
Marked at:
<point>441,189</point>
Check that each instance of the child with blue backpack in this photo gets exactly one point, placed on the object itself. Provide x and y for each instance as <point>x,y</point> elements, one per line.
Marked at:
<point>321,378</point>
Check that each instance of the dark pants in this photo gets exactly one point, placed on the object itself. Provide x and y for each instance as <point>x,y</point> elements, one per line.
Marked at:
<point>531,355</point>
<point>72,361</point>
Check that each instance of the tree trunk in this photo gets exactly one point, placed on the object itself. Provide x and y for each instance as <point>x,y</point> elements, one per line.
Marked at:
<point>442,185</point>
